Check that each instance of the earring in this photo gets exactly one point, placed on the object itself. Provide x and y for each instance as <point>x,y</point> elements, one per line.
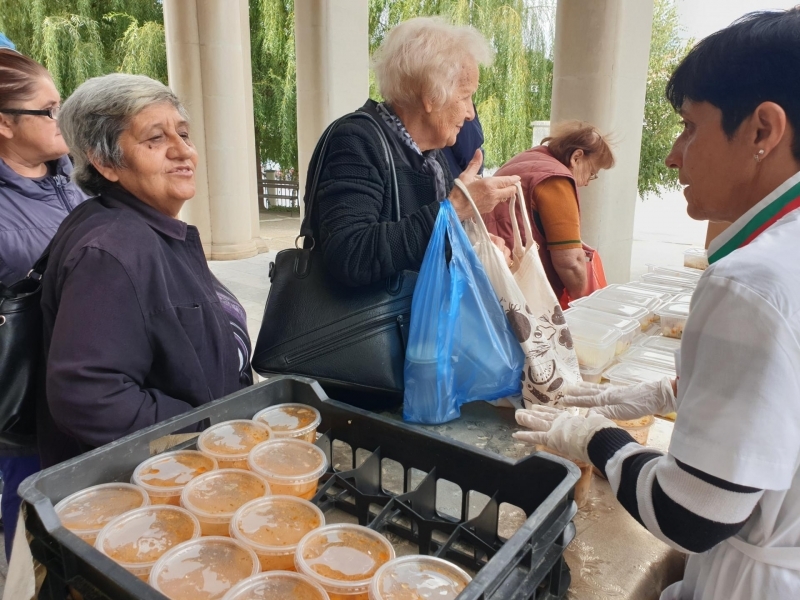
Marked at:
<point>759,156</point>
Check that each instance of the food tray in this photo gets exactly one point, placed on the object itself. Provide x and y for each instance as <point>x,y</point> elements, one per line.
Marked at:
<point>529,565</point>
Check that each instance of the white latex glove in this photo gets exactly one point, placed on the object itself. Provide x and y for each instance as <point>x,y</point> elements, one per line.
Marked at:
<point>565,433</point>
<point>622,402</point>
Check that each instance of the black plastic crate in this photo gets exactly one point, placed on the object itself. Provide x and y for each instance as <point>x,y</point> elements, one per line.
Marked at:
<point>527,566</point>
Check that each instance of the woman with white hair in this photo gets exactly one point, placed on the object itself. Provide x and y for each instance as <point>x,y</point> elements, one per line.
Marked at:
<point>136,328</point>
<point>427,73</point>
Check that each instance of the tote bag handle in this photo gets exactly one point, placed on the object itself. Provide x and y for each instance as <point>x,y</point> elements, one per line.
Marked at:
<point>519,248</point>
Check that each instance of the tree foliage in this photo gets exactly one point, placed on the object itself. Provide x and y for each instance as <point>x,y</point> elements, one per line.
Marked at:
<point>661,123</point>
<point>78,39</point>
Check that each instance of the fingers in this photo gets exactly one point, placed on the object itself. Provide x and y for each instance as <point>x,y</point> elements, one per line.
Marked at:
<point>531,437</point>
<point>588,401</point>
<point>582,388</point>
<point>622,412</point>
<point>472,168</point>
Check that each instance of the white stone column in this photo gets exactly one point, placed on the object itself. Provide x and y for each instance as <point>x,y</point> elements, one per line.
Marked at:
<point>332,49</point>
<point>600,76</point>
<point>183,65</point>
<point>208,50</point>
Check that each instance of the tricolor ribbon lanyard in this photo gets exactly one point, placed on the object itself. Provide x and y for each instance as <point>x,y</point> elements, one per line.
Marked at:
<point>761,221</point>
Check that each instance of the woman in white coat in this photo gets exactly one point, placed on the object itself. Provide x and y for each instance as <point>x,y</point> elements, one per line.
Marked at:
<point>728,490</point>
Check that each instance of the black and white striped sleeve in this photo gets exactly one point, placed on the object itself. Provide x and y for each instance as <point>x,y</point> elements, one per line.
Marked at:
<point>686,508</point>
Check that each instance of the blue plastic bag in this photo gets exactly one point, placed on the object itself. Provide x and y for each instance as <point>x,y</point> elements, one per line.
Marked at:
<point>460,347</point>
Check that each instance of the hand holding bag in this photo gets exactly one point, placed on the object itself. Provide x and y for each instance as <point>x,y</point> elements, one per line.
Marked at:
<point>530,305</point>
<point>351,340</point>
<point>460,347</point>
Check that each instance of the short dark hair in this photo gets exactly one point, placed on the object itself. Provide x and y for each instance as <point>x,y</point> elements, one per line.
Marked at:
<point>754,60</point>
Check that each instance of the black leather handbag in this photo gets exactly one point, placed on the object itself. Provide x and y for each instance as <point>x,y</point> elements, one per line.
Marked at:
<point>21,358</point>
<point>350,339</point>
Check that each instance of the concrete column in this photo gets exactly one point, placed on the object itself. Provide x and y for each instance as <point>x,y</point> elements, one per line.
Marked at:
<point>332,49</point>
<point>183,65</point>
<point>208,60</point>
<point>600,76</point>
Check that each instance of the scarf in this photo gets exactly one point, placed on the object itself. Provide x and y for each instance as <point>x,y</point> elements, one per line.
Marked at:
<point>430,165</point>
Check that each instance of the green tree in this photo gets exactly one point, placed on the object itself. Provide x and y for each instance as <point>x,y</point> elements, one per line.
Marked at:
<point>78,39</point>
<point>661,123</point>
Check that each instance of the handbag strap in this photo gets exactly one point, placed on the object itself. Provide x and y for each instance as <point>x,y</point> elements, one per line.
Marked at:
<point>319,155</point>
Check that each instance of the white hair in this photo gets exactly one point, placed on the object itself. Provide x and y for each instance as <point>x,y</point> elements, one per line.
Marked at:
<point>96,114</point>
<point>424,57</point>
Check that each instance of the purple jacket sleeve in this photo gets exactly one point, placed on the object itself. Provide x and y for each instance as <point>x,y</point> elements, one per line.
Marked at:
<point>100,354</point>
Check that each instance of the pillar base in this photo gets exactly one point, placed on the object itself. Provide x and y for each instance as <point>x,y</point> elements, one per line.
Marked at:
<point>246,249</point>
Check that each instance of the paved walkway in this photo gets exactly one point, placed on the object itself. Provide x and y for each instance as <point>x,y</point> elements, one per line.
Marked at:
<point>662,231</point>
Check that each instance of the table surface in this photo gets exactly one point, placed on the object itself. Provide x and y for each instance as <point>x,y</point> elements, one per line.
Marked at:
<point>612,556</point>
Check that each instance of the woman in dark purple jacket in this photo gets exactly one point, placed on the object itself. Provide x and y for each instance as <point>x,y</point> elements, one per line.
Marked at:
<point>36,194</point>
<point>136,328</point>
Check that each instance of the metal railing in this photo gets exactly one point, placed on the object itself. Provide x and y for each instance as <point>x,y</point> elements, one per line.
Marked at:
<point>280,194</point>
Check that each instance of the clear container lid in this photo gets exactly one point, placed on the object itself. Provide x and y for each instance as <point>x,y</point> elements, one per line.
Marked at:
<point>649,357</point>
<point>343,557</point>
<point>615,308</point>
<point>651,303</point>
<point>290,420</point>
<point>680,282</point>
<point>684,298</point>
<point>139,537</point>
<point>695,252</point>
<point>274,524</point>
<point>170,471</point>
<point>88,511</point>
<point>681,272</point>
<point>277,585</point>
<point>288,460</point>
<point>625,325</point>
<point>418,578</point>
<point>660,343</point>
<point>667,289</point>
<point>677,310</point>
<point>594,334</point>
<point>632,288</point>
<point>219,494</point>
<point>232,440</point>
<point>632,373</point>
<point>203,569</point>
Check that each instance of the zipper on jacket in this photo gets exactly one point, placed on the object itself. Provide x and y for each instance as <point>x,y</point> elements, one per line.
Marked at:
<point>62,195</point>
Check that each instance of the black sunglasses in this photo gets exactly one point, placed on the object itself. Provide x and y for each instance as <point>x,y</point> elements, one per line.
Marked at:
<point>44,112</point>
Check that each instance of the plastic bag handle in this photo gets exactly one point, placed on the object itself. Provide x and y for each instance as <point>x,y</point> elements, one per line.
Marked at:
<point>484,233</point>
<point>519,248</point>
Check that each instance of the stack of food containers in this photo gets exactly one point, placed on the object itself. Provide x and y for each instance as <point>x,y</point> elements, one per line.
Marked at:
<point>696,258</point>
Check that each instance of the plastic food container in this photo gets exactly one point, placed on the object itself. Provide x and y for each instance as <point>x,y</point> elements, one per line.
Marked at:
<point>203,569</point>
<point>277,585</point>
<point>291,421</point>
<point>650,357</point>
<point>660,343</point>
<point>592,375</point>
<point>638,428</point>
<point>594,343</point>
<point>137,539</point>
<point>651,303</point>
<point>680,282</point>
<point>292,467</point>
<point>230,442</point>
<point>681,272</point>
<point>666,289</point>
<point>214,497</point>
<point>695,258</point>
<point>164,476</point>
<point>418,578</point>
<point>618,309</point>
<point>343,558</point>
<point>673,319</point>
<point>632,373</point>
<point>273,526</point>
<point>684,298</point>
<point>628,327</point>
<point>632,288</point>
<point>86,512</point>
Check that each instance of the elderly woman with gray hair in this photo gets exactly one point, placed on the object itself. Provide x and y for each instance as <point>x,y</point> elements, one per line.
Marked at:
<point>136,328</point>
<point>427,72</point>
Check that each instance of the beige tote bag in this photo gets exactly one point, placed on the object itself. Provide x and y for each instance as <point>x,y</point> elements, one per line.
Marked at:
<point>530,305</point>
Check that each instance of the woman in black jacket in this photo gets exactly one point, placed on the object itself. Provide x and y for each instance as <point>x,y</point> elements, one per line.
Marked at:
<point>427,72</point>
